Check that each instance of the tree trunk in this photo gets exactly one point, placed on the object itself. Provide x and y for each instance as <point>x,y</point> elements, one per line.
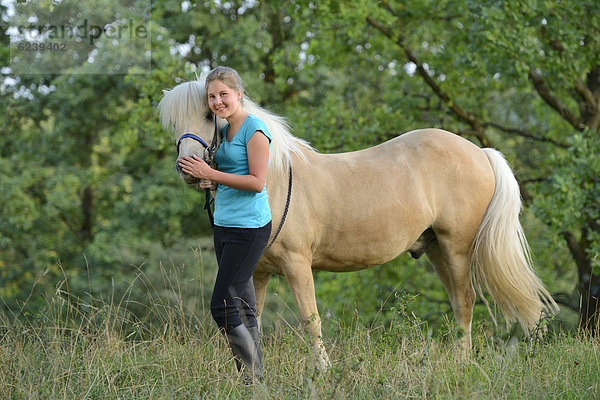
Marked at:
<point>589,313</point>
<point>588,285</point>
<point>87,208</point>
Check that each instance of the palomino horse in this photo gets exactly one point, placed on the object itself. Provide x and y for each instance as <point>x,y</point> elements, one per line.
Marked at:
<point>426,191</point>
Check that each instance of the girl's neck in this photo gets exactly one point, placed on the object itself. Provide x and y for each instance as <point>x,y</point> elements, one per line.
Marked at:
<point>237,120</point>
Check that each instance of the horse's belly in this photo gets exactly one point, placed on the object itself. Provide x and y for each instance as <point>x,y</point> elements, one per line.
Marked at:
<point>359,251</point>
<point>346,262</point>
<point>356,237</point>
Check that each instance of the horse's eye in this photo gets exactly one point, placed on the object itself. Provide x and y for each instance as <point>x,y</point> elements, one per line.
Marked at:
<point>209,116</point>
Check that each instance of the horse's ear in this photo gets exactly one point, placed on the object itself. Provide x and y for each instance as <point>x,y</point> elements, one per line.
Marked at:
<point>165,91</point>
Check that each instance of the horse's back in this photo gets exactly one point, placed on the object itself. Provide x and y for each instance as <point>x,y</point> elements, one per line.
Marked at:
<point>418,148</point>
<point>430,142</point>
<point>412,160</point>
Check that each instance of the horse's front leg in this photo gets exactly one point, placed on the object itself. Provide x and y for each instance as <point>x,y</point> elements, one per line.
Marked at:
<point>300,279</point>
<point>261,280</point>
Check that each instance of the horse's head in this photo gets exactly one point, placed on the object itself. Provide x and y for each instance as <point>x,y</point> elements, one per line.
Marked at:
<point>185,110</point>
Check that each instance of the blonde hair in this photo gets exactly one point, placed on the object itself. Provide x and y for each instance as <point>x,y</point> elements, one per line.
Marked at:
<point>229,77</point>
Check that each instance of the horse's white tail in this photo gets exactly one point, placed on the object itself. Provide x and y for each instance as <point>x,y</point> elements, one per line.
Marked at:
<point>501,256</point>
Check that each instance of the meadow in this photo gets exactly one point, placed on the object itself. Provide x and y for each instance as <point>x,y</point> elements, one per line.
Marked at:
<point>102,351</point>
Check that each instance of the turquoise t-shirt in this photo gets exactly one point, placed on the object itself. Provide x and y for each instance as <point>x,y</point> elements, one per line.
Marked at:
<point>239,208</point>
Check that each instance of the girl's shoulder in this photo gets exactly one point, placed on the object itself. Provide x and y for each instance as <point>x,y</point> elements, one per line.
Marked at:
<point>257,124</point>
<point>253,120</point>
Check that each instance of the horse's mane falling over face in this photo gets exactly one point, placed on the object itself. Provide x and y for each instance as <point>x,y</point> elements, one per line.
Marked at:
<point>185,110</point>
<point>183,107</point>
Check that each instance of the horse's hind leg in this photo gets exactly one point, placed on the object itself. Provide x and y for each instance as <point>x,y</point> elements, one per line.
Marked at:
<point>453,268</point>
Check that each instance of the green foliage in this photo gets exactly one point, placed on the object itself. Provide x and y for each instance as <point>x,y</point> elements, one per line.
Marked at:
<point>570,198</point>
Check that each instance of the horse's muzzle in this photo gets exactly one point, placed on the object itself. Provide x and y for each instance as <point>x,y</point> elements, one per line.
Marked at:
<point>190,180</point>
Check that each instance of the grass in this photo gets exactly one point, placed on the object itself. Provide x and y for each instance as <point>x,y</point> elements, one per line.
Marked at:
<point>105,352</point>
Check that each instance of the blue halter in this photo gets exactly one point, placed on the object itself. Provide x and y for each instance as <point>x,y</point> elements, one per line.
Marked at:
<point>210,149</point>
<point>191,136</point>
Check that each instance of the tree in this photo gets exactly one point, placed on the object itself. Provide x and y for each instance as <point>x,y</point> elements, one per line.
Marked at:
<point>87,180</point>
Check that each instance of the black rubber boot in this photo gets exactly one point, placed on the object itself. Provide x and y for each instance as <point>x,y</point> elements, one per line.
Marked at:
<point>255,333</point>
<point>245,352</point>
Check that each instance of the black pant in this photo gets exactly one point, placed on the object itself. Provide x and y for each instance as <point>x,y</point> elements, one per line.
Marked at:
<point>238,250</point>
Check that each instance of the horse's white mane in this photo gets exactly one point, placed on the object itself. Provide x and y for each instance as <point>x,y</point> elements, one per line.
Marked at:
<point>180,105</point>
<point>187,101</point>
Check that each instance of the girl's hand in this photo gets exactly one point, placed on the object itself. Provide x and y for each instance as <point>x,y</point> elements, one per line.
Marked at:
<point>196,167</point>
<point>208,184</point>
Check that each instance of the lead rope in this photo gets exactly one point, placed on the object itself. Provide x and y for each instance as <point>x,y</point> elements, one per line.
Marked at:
<point>285,211</point>
<point>208,200</point>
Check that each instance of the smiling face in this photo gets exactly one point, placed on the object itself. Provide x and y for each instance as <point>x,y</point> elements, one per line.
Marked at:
<point>223,100</point>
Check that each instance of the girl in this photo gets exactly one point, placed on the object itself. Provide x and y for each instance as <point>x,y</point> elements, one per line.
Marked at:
<point>242,214</point>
